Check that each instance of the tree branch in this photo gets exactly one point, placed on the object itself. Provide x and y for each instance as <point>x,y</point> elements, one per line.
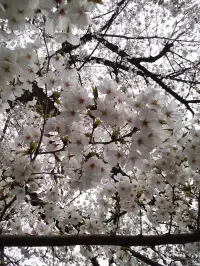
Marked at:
<point>143,258</point>
<point>152,59</point>
<point>136,62</point>
<point>146,38</point>
<point>114,15</point>
<point>7,206</point>
<point>88,240</point>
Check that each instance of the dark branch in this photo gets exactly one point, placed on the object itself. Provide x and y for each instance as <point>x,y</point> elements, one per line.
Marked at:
<point>113,17</point>
<point>136,62</point>
<point>163,52</point>
<point>144,258</point>
<point>7,206</point>
<point>94,261</point>
<point>39,94</point>
<point>193,101</point>
<point>88,240</point>
<point>147,38</point>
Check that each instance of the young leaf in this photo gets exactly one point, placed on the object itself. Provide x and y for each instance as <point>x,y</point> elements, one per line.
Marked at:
<point>96,1</point>
<point>95,92</point>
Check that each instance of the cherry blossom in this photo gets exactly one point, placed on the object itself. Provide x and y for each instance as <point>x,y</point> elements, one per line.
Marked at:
<point>100,136</point>
<point>78,13</point>
<point>109,88</point>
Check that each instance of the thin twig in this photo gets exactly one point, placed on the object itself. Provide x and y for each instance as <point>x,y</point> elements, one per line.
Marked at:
<point>198,216</point>
<point>145,37</point>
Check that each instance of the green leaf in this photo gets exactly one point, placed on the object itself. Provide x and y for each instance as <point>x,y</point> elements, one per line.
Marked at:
<point>88,135</point>
<point>100,2</point>
<point>95,92</point>
<point>26,152</point>
<point>50,114</point>
<point>40,109</point>
<point>90,114</point>
<point>38,11</point>
<point>186,188</point>
<point>82,223</point>
<point>56,95</point>
<point>115,134</point>
<point>33,146</point>
<point>162,122</point>
<point>97,123</point>
<point>92,154</point>
<point>139,194</point>
<point>65,140</point>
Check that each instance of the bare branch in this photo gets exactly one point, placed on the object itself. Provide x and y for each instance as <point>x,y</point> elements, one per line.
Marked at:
<point>143,258</point>
<point>88,240</point>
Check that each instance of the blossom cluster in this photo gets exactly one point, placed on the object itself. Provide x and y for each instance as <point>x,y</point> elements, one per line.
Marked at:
<point>133,161</point>
<point>20,67</point>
